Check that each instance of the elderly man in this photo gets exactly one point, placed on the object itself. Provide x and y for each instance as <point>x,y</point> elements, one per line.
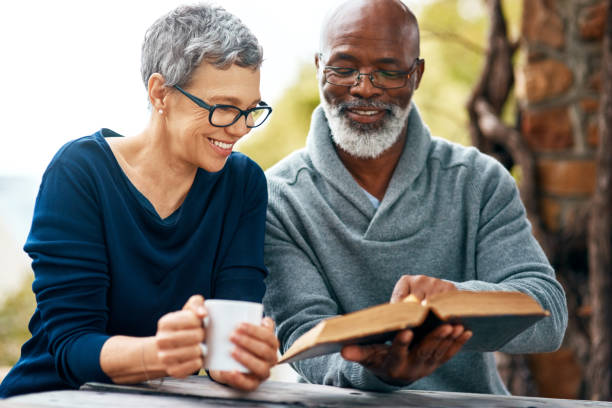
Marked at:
<point>375,208</point>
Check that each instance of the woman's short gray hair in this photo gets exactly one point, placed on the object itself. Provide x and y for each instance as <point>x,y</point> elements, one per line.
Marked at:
<point>176,44</point>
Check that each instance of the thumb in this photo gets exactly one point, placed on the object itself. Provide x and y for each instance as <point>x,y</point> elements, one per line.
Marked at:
<point>196,305</point>
<point>268,322</point>
<point>357,353</point>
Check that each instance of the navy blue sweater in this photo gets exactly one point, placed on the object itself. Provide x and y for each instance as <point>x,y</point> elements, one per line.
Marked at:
<point>106,264</point>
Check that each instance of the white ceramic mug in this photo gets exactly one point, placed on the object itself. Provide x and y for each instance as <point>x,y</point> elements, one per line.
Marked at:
<point>223,318</point>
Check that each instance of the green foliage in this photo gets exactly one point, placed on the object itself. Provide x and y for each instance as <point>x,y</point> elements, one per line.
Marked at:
<point>14,316</point>
<point>453,44</point>
<point>288,124</point>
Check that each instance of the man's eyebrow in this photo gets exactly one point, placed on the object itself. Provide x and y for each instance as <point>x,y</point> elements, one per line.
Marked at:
<point>348,57</point>
<point>343,56</point>
<point>387,60</point>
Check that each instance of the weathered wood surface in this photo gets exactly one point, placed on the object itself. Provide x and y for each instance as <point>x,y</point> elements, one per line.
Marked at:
<point>201,392</point>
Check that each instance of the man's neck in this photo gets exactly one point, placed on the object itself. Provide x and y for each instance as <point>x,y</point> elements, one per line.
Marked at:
<point>374,175</point>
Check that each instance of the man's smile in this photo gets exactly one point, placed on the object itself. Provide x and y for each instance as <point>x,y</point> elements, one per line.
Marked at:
<point>365,114</point>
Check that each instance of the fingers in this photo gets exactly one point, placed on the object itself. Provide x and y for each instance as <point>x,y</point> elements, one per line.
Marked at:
<point>436,349</point>
<point>196,304</point>
<point>447,341</point>
<point>353,353</point>
<point>179,320</point>
<point>178,356</point>
<point>269,323</point>
<point>370,356</point>
<point>256,366</point>
<point>236,379</point>
<point>405,364</point>
<point>401,289</point>
<point>434,344</point>
<point>184,369</point>
<point>260,340</point>
<point>177,339</point>
<point>257,347</point>
<point>456,345</point>
<point>264,350</point>
<point>399,348</point>
<point>421,286</point>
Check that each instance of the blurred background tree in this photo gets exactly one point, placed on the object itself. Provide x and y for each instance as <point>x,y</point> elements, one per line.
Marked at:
<point>15,313</point>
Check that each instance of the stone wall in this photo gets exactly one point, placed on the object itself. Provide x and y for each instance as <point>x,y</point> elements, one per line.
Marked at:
<point>558,87</point>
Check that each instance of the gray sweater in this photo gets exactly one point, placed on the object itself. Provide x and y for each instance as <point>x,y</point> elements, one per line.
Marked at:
<point>449,212</point>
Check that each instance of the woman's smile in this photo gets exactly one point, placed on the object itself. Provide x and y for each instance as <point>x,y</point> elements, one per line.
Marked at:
<point>223,148</point>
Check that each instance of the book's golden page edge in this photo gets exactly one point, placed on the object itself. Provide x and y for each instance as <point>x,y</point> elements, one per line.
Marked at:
<point>474,304</point>
<point>304,342</point>
<point>352,326</point>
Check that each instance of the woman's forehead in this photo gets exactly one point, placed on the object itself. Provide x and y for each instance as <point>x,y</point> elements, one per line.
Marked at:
<point>236,83</point>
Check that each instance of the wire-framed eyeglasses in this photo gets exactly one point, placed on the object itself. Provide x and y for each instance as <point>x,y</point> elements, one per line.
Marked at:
<point>382,78</point>
<point>226,115</point>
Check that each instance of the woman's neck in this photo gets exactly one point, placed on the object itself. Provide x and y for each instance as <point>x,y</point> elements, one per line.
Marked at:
<point>149,163</point>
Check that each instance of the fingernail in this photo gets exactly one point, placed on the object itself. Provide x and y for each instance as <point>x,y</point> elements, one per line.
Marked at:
<point>201,310</point>
<point>407,337</point>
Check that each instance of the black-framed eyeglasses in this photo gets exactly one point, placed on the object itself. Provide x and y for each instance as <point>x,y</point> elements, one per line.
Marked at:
<point>382,78</point>
<point>226,115</point>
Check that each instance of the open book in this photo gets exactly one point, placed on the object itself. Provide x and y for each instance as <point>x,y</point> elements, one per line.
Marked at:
<point>494,318</point>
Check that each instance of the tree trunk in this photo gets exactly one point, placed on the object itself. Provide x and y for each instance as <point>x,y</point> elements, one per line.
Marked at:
<point>600,239</point>
<point>566,249</point>
<point>504,143</point>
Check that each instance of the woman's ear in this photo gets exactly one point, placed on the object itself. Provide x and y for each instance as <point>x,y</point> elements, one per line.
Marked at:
<point>157,91</point>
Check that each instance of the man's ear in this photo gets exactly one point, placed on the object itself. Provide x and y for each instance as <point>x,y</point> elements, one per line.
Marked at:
<point>420,72</point>
<point>157,91</point>
<point>317,56</point>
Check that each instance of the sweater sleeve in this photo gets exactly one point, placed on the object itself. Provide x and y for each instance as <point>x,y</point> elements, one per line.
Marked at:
<point>66,244</point>
<point>509,258</point>
<point>242,274</point>
<point>298,300</point>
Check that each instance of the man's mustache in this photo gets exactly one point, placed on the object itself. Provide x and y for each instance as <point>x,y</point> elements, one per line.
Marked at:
<point>343,106</point>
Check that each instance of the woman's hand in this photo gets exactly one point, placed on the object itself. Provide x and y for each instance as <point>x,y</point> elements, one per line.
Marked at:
<point>178,338</point>
<point>256,349</point>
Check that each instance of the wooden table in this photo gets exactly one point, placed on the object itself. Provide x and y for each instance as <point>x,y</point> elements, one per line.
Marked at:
<point>201,392</point>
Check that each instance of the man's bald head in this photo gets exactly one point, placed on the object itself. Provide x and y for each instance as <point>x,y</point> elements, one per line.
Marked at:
<point>371,17</point>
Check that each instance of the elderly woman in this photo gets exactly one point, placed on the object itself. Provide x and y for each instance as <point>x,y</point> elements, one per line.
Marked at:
<point>131,233</point>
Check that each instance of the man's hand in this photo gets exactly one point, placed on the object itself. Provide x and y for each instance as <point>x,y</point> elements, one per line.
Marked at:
<point>421,286</point>
<point>398,364</point>
<point>256,349</point>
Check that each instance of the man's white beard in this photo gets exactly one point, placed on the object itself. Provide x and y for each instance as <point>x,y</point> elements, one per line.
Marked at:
<point>366,141</point>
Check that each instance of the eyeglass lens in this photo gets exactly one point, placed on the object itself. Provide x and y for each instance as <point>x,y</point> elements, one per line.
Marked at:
<point>226,115</point>
<point>383,79</point>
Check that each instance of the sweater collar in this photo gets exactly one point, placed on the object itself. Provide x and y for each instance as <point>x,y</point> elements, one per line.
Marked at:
<point>325,159</point>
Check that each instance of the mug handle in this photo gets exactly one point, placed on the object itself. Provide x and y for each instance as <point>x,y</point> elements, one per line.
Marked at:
<point>203,346</point>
